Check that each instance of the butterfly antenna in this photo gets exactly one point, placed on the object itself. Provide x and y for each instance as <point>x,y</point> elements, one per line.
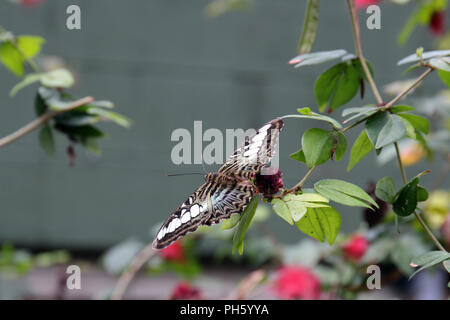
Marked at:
<point>183,174</point>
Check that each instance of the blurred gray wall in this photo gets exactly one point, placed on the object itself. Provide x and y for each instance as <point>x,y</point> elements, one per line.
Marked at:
<point>165,65</point>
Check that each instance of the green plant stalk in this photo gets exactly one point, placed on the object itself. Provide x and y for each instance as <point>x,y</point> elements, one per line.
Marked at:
<point>36,123</point>
<point>359,52</point>
<point>354,18</point>
<point>419,218</point>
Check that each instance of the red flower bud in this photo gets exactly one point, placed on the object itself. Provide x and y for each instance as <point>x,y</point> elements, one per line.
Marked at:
<point>184,291</point>
<point>295,282</point>
<point>365,3</point>
<point>269,181</point>
<point>174,252</point>
<point>437,23</point>
<point>355,247</point>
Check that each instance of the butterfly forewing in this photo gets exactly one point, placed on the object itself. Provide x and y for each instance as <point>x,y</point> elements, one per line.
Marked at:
<point>255,152</point>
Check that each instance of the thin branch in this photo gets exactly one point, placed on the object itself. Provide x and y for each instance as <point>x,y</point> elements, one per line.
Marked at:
<point>127,276</point>
<point>36,123</point>
<point>298,186</point>
<point>419,218</point>
<point>359,52</point>
<point>248,284</point>
<point>406,90</point>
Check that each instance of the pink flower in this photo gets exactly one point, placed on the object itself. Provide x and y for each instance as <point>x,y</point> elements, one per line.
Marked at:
<point>174,252</point>
<point>30,3</point>
<point>355,247</point>
<point>270,182</point>
<point>437,23</point>
<point>185,291</point>
<point>295,282</point>
<point>365,3</point>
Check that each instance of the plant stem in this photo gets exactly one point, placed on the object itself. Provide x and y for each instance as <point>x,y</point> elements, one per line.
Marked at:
<point>419,218</point>
<point>127,276</point>
<point>41,120</point>
<point>354,16</point>
<point>298,186</point>
<point>406,90</point>
<point>359,52</point>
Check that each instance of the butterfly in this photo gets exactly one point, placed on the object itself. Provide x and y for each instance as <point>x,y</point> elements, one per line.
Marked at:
<point>225,192</point>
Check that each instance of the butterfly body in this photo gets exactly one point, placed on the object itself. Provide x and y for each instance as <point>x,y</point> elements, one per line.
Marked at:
<point>225,192</point>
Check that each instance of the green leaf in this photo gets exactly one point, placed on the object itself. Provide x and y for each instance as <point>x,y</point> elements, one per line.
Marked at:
<point>330,221</point>
<point>385,190</point>
<point>320,223</point>
<point>231,222</point>
<point>11,58</point>
<point>59,78</point>
<point>429,259</point>
<point>110,115</point>
<point>309,30</point>
<point>310,225</point>
<point>306,197</point>
<point>391,132</point>
<point>29,46</point>
<point>28,80</point>
<point>308,59</point>
<point>340,145</point>
<point>359,112</point>
<point>360,149</point>
<point>308,114</point>
<point>440,63</point>
<point>445,77</point>
<point>344,192</point>
<point>244,224</point>
<point>401,108</point>
<point>406,201</point>
<point>418,122</point>
<point>410,130</point>
<point>46,140</point>
<point>298,155</point>
<point>446,264</point>
<point>375,124</point>
<point>317,145</point>
<point>422,194</point>
<point>425,56</point>
<point>336,86</point>
<point>281,209</point>
<point>39,105</point>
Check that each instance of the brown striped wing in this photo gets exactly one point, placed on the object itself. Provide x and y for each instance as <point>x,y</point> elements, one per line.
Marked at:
<point>209,204</point>
<point>256,151</point>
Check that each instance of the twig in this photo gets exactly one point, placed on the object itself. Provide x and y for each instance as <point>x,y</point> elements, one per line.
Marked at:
<point>36,123</point>
<point>404,92</point>
<point>359,52</point>
<point>419,218</point>
<point>248,284</point>
<point>127,276</point>
<point>298,186</point>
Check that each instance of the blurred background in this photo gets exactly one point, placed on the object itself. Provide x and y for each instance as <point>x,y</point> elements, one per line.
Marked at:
<point>165,64</point>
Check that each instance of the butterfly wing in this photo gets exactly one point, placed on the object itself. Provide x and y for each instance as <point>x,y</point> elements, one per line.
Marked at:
<point>209,204</point>
<point>218,199</point>
<point>186,218</point>
<point>256,151</point>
